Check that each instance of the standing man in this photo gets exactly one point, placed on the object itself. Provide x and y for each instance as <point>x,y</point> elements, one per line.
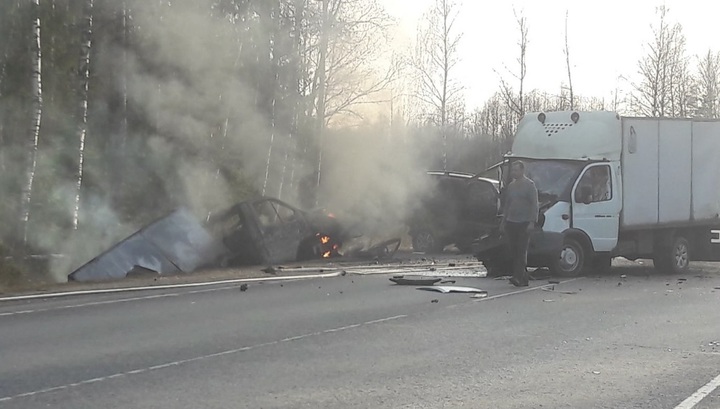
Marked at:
<point>520,213</point>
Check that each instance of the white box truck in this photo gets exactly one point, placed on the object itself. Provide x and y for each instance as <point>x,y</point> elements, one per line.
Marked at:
<point>613,186</point>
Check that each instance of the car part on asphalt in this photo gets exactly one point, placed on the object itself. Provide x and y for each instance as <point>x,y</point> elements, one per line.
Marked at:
<point>446,289</point>
<point>416,280</point>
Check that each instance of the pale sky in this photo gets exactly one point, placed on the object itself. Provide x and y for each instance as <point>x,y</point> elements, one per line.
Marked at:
<point>606,39</point>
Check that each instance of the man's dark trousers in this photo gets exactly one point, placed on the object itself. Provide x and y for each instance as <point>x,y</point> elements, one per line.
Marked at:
<point>518,239</point>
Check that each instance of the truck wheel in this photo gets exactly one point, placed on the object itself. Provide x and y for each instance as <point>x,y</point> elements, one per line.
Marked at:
<point>675,259</point>
<point>602,264</point>
<point>572,259</point>
<point>426,242</point>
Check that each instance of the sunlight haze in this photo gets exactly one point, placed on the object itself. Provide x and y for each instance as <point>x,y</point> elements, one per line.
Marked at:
<point>606,39</point>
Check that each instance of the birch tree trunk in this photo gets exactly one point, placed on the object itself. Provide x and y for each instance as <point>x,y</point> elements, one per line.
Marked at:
<point>320,110</point>
<point>32,148</point>
<point>84,74</point>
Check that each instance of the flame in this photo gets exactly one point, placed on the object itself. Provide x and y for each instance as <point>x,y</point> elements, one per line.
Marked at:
<point>326,254</point>
<point>325,239</point>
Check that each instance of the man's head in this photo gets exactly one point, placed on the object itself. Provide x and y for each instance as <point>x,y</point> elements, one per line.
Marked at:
<point>517,170</point>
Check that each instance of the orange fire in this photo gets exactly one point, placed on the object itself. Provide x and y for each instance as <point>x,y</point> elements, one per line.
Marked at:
<point>325,239</point>
<point>326,254</point>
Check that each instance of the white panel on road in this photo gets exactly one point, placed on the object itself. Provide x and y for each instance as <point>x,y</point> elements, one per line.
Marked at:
<point>675,170</point>
<point>640,172</point>
<point>706,170</point>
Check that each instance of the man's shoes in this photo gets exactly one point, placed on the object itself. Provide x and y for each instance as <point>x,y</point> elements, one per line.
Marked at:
<point>517,283</point>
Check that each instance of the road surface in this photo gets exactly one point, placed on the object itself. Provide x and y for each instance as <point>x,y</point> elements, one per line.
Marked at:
<point>642,341</point>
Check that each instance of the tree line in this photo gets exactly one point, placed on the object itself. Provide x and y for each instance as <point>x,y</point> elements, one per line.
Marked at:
<point>112,112</point>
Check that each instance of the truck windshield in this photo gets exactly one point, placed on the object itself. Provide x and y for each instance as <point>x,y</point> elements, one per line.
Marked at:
<point>552,178</point>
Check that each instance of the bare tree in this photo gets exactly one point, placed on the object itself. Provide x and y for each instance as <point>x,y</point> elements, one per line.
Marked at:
<point>435,59</point>
<point>516,102</point>
<point>708,79</point>
<point>665,88</point>
<point>84,76</point>
<point>567,62</point>
<point>32,149</point>
<point>344,57</point>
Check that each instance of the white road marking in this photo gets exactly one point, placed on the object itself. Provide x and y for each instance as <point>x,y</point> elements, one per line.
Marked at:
<point>164,287</point>
<point>701,394</point>
<point>195,359</point>
<point>89,304</point>
<point>540,287</point>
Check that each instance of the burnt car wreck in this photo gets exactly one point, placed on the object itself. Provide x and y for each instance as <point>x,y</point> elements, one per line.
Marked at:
<point>259,231</point>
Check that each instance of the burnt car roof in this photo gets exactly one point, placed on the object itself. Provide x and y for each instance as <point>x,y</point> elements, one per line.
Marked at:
<point>462,175</point>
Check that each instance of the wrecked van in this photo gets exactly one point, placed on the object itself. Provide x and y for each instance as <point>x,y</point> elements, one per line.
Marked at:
<point>459,208</point>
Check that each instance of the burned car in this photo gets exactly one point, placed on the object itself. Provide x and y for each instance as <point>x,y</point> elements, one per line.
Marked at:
<point>458,209</point>
<point>267,231</point>
<point>259,231</point>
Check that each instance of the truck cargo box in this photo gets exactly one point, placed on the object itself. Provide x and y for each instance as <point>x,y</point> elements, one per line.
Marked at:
<point>671,172</point>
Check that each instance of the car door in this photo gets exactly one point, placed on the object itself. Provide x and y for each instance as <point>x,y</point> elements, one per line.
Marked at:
<point>283,228</point>
<point>480,208</point>
<point>596,205</point>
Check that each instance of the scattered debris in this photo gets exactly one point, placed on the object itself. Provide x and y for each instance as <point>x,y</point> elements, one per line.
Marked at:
<point>243,287</point>
<point>269,270</point>
<point>542,273</point>
<point>447,282</point>
<point>383,250</point>
<point>445,289</point>
<point>553,281</point>
<point>433,269</point>
<point>548,300</point>
<point>451,264</point>
<point>415,280</point>
<point>553,290</point>
<point>344,273</point>
<point>480,295</point>
<point>596,372</point>
<point>502,278</point>
<point>434,300</point>
<point>623,276</point>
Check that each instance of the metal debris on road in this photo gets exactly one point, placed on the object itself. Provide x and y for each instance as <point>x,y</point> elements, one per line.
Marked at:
<point>446,289</point>
<point>553,290</point>
<point>243,287</point>
<point>269,270</point>
<point>416,280</point>
<point>596,372</point>
<point>435,300</point>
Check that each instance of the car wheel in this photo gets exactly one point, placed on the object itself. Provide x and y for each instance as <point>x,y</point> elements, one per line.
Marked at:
<point>572,259</point>
<point>426,242</point>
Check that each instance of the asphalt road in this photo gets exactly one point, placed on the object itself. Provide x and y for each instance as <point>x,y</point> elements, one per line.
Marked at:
<point>643,341</point>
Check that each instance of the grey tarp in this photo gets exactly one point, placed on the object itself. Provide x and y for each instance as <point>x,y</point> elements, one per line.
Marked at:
<point>177,243</point>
